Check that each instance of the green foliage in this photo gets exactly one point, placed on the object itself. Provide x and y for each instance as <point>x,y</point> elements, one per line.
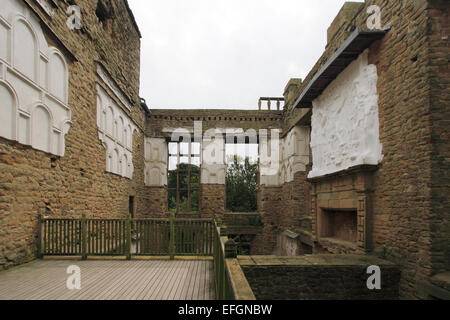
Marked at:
<point>183,188</point>
<point>241,185</point>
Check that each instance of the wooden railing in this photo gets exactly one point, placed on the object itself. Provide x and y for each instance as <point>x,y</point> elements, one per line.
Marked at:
<point>231,283</point>
<point>125,237</point>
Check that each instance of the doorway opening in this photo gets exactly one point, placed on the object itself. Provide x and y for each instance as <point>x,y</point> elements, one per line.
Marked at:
<point>131,207</point>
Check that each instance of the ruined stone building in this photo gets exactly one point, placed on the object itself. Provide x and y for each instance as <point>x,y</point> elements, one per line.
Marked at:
<point>363,161</point>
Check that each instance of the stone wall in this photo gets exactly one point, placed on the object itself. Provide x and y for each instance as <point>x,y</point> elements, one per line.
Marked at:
<point>409,200</point>
<point>439,78</point>
<point>34,182</point>
<point>318,277</point>
<point>153,202</point>
<point>212,200</point>
<point>161,119</point>
<point>283,208</point>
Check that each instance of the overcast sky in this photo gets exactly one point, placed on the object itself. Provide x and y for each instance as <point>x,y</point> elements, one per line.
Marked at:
<point>227,53</point>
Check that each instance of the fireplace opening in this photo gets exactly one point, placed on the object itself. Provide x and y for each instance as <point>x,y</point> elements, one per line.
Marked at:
<point>339,224</point>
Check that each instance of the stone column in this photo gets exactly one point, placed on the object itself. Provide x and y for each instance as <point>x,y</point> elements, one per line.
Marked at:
<point>155,176</point>
<point>212,177</point>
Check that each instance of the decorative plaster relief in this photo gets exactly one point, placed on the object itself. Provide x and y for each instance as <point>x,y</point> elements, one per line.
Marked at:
<point>156,155</point>
<point>269,163</point>
<point>115,131</point>
<point>47,5</point>
<point>33,83</point>
<point>345,124</point>
<point>103,74</point>
<point>293,157</point>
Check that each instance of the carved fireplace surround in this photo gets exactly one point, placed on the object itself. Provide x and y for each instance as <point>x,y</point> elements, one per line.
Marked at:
<point>341,205</point>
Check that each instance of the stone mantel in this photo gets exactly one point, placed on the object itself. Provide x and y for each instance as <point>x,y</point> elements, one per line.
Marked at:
<point>351,190</point>
<point>368,168</point>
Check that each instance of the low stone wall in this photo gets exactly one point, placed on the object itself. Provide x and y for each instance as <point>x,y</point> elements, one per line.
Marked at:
<point>318,277</point>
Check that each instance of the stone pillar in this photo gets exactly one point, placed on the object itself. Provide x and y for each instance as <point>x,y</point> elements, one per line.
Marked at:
<point>212,177</point>
<point>155,176</point>
<point>270,149</point>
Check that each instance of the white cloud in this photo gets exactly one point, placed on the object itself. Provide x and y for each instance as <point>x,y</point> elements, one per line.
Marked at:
<point>227,53</point>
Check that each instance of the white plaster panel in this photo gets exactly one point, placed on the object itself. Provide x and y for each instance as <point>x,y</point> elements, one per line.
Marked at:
<point>7,112</point>
<point>47,6</point>
<point>101,72</point>
<point>43,72</point>
<point>213,173</point>
<point>5,45</point>
<point>280,166</point>
<point>269,161</point>
<point>155,162</point>
<point>25,49</point>
<point>23,135</point>
<point>41,128</point>
<point>119,155</point>
<point>213,167</point>
<point>37,120</point>
<point>57,69</point>
<point>345,124</point>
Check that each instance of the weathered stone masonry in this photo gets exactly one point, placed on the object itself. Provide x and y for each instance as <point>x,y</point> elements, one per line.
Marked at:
<point>34,182</point>
<point>408,182</point>
<point>395,208</point>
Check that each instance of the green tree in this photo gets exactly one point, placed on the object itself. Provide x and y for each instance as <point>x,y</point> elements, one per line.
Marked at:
<point>241,185</point>
<point>183,187</point>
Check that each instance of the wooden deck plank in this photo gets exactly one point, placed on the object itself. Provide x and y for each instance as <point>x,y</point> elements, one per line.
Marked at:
<point>151,285</point>
<point>158,293</point>
<point>139,280</point>
<point>165,292</point>
<point>130,278</point>
<point>185,285</point>
<point>191,291</point>
<point>181,275</point>
<point>155,282</point>
<point>210,285</point>
<point>109,280</point>
<point>47,280</point>
<point>104,274</point>
<point>137,291</point>
<point>95,274</point>
<point>201,282</point>
<point>123,275</point>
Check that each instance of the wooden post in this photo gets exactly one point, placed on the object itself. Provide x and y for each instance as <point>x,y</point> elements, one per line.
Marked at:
<point>223,231</point>
<point>40,238</point>
<point>128,237</point>
<point>83,237</point>
<point>172,236</point>
<point>230,249</point>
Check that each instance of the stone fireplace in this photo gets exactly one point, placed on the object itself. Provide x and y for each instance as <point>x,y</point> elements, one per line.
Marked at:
<point>339,225</point>
<point>341,207</point>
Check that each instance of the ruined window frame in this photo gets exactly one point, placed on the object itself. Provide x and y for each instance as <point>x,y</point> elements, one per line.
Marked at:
<point>192,153</point>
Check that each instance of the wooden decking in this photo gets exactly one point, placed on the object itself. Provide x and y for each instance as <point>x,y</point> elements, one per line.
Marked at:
<point>110,280</point>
